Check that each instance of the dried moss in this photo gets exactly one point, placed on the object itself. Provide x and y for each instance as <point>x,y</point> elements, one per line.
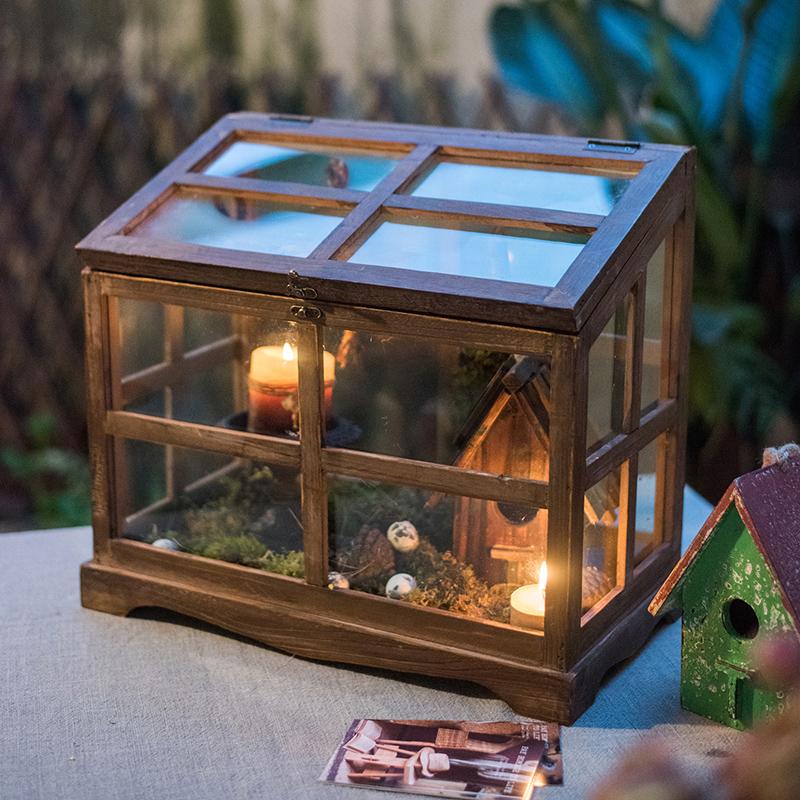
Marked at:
<point>447,583</point>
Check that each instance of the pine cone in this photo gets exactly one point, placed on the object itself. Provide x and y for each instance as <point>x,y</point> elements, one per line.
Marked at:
<point>596,585</point>
<point>369,556</point>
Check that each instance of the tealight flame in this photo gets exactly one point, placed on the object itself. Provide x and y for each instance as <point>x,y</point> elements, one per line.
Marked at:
<point>288,352</point>
<point>543,576</point>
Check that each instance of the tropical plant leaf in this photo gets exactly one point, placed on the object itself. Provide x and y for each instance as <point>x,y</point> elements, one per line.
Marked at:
<point>709,63</point>
<point>535,56</point>
<point>733,379</point>
<point>773,54</point>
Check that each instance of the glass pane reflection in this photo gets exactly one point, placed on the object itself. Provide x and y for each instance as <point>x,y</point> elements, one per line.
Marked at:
<point>519,256</point>
<point>522,186</point>
<point>239,223</point>
<point>337,168</point>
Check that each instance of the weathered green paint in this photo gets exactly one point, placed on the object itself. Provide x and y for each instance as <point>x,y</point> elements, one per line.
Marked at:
<point>716,664</point>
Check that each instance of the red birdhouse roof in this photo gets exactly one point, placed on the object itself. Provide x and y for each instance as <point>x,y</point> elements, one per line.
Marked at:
<point>768,502</point>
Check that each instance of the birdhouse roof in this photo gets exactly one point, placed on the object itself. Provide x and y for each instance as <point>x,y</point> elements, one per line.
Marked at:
<point>768,503</point>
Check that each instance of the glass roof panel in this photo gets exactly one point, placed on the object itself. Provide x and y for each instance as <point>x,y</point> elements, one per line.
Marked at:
<point>522,186</point>
<point>341,169</point>
<point>239,223</point>
<point>504,254</point>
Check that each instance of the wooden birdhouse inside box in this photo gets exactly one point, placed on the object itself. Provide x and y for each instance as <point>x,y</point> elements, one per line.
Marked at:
<point>392,395</point>
<point>737,585</point>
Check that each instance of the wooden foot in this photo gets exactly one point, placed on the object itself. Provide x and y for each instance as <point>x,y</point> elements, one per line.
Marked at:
<point>98,595</point>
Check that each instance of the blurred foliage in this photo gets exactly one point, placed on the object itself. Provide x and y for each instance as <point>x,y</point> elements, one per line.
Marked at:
<point>614,65</point>
<point>57,479</point>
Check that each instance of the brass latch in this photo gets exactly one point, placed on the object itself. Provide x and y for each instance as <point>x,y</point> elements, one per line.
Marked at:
<point>295,289</point>
<point>306,312</point>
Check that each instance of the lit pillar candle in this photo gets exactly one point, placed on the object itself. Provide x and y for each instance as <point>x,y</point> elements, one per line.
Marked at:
<point>272,388</point>
<point>527,602</point>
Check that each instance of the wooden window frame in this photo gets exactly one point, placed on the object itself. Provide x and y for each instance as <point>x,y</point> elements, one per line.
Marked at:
<point>314,460</point>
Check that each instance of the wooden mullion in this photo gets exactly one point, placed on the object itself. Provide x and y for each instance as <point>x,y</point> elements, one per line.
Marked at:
<point>369,207</point>
<point>453,212</point>
<point>208,297</point>
<point>680,270</point>
<point>173,355</point>
<point>634,355</point>
<point>569,393</point>
<point>313,482</point>
<point>275,191</point>
<point>541,162</point>
<point>626,552</point>
<point>240,444</point>
<point>101,455</point>
<point>448,331</point>
<point>112,357</point>
<point>562,149</point>
<point>437,477</point>
<point>485,335</point>
<point>623,446</point>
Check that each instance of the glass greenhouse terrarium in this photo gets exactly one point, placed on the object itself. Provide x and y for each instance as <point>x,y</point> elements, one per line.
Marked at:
<point>393,395</point>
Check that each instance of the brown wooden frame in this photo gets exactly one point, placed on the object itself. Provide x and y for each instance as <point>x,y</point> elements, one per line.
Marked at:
<point>554,674</point>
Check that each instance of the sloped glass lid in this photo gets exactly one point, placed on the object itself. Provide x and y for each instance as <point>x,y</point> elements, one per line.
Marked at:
<point>318,166</point>
<point>521,186</point>
<point>505,254</point>
<point>239,223</point>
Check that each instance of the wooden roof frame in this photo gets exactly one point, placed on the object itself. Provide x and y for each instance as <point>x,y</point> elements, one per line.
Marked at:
<point>659,174</point>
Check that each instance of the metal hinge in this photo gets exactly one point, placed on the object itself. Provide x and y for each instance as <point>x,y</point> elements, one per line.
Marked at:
<point>611,146</point>
<point>300,119</point>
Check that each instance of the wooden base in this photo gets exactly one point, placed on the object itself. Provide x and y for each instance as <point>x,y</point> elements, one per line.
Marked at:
<point>531,690</point>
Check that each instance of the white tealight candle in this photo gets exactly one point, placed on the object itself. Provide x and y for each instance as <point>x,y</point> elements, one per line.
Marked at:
<point>527,602</point>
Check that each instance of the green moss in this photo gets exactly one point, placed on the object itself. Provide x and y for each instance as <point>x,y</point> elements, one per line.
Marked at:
<point>242,549</point>
<point>291,563</point>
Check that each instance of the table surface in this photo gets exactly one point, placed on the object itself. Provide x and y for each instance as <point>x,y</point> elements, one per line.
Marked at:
<point>154,706</point>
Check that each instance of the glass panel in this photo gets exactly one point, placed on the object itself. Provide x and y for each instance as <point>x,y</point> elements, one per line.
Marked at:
<point>653,329</point>
<point>421,399</point>
<point>601,538</point>
<point>245,380</point>
<point>503,254</point>
<point>442,551</point>
<point>201,326</point>
<point>239,223</point>
<point>141,334</point>
<point>607,380</point>
<point>213,505</point>
<point>649,503</point>
<point>520,185</point>
<point>318,166</point>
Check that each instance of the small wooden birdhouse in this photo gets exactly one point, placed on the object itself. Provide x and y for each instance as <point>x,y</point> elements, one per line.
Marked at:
<point>738,583</point>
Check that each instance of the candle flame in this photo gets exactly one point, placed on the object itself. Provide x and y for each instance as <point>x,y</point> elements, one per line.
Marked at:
<point>288,352</point>
<point>543,575</point>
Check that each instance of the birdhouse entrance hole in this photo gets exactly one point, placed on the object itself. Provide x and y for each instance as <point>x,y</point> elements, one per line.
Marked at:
<point>741,619</point>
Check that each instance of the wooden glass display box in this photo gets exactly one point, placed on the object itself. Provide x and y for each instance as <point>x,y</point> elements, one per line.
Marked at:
<point>400,396</point>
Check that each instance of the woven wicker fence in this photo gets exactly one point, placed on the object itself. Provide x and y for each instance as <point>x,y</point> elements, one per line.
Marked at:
<point>71,151</point>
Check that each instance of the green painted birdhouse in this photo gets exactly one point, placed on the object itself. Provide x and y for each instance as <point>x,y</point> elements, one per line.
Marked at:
<point>738,583</point>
